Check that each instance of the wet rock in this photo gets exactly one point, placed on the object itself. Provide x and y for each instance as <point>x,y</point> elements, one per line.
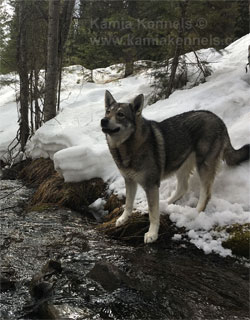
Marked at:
<point>42,283</point>
<point>48,311</point>
<point>42,310</point>
<point>6,284</point>
<point>7,279</point>
<point>42,291</point>
<point>12,173</point>
<point>108,276</point>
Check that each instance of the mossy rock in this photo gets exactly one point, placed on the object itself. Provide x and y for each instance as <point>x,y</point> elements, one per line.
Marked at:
<point>239,239</point>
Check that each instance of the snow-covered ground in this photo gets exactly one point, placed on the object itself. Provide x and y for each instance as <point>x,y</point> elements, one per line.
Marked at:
<point>77,145</point>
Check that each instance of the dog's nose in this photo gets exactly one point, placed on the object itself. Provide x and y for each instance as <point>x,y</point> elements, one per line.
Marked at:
<point>104,122</point>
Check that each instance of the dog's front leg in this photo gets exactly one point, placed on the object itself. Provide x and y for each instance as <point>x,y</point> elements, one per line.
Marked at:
<point>154,215</point>
<point>131,187</point>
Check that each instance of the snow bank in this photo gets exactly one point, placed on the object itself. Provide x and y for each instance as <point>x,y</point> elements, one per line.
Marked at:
<point>111,73</point>
<point>8,113</point>
<point>77,145</point>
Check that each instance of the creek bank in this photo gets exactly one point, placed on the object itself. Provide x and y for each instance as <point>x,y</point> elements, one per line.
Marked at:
<point>52,190</point>
<point>58,266</point>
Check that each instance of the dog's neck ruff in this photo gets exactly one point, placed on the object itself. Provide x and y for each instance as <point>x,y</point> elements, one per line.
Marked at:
<point>114,142</point>
<point>122,157</point>
<point>124,151</point>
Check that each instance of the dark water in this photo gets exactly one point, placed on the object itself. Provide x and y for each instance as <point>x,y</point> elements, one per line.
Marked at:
<point>55,265</point>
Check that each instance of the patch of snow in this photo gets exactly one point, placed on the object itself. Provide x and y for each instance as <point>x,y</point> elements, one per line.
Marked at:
<point>111,73</point>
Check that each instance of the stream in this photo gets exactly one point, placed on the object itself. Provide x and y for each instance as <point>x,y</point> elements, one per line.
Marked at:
<point>55,265</point>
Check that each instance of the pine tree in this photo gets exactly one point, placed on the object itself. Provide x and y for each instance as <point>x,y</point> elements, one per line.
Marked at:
<point>242,24</point>
<point>52,73</point>
<point>60,15</point>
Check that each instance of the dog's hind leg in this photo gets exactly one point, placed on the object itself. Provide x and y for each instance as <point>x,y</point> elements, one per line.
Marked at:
<point>206,182</point>
<point>182,179</point>
<point>154,215</point>
<point>207,167</point>
<point>131,187</point>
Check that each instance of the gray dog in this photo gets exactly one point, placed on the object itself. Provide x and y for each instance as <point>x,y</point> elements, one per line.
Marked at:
<point>147,152</point>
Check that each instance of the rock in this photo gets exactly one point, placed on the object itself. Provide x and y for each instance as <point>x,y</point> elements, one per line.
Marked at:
<point>41,290</point>
<point>42,283</point>
<point>48,311</point>
<point>239,239</point>
<point>108,276</point>
<point>6,284</point>
<point>12,173</point>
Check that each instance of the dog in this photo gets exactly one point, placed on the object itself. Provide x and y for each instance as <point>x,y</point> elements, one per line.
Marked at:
<point>147,152</point>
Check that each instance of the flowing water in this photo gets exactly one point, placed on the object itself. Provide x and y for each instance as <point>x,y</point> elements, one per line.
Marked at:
<point>55,265</point>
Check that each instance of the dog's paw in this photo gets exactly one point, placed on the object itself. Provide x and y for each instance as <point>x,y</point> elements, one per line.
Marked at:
<point>120,221</point>
<point>150,237</point>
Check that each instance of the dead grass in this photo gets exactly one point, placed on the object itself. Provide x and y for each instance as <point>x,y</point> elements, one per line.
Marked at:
<point>77,196</point>
<point>113,202</point>
<point>53,190</point>
<point>37,171</point>
<point>133,230</point>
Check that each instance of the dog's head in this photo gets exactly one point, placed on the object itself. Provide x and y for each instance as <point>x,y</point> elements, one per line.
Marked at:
<point>120,118</point>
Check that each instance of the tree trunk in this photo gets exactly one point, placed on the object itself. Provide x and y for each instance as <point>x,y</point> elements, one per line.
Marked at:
<point>23,72</point>
<point>65,21</point>
<point>179,47</point>
<point>64,24</point>
<point>129,68</point>
<point>58,29</point>
<point>36,97</point>
<point>130,54</point>
<point>173,69</point>
<point>51,79</point>
<point>31,103</point>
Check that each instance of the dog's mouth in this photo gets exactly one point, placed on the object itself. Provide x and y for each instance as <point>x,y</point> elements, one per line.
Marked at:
<point>110,131</point>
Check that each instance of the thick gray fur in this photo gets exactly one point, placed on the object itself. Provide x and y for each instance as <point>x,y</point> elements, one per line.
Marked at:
<point>147,152</point>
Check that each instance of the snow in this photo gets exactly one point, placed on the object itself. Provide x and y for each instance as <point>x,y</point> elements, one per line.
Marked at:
<point>8,115</point>
<point>78,148</point>
<point>111,73</point>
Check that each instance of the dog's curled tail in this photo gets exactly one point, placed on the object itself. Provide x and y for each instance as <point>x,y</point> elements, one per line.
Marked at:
<point>234,157</point>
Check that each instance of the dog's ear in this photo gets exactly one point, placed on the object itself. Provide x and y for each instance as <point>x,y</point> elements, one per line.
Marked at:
<point>138,104</point>
<point>108,99</point>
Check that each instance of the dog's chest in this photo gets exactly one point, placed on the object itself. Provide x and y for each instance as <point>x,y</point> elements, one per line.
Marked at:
<point>128,164</point>
<point>132,174</point>
<point>122,157</point>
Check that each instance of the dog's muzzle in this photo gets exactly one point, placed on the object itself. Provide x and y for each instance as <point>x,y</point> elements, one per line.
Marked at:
<point>105,126</point>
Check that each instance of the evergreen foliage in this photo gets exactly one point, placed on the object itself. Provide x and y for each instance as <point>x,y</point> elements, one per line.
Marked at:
<point>36,36</point>
<point>107,32</point>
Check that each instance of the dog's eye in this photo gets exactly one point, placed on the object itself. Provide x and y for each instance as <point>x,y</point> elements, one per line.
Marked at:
<point>107,111</point>
<point>120,114</point>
